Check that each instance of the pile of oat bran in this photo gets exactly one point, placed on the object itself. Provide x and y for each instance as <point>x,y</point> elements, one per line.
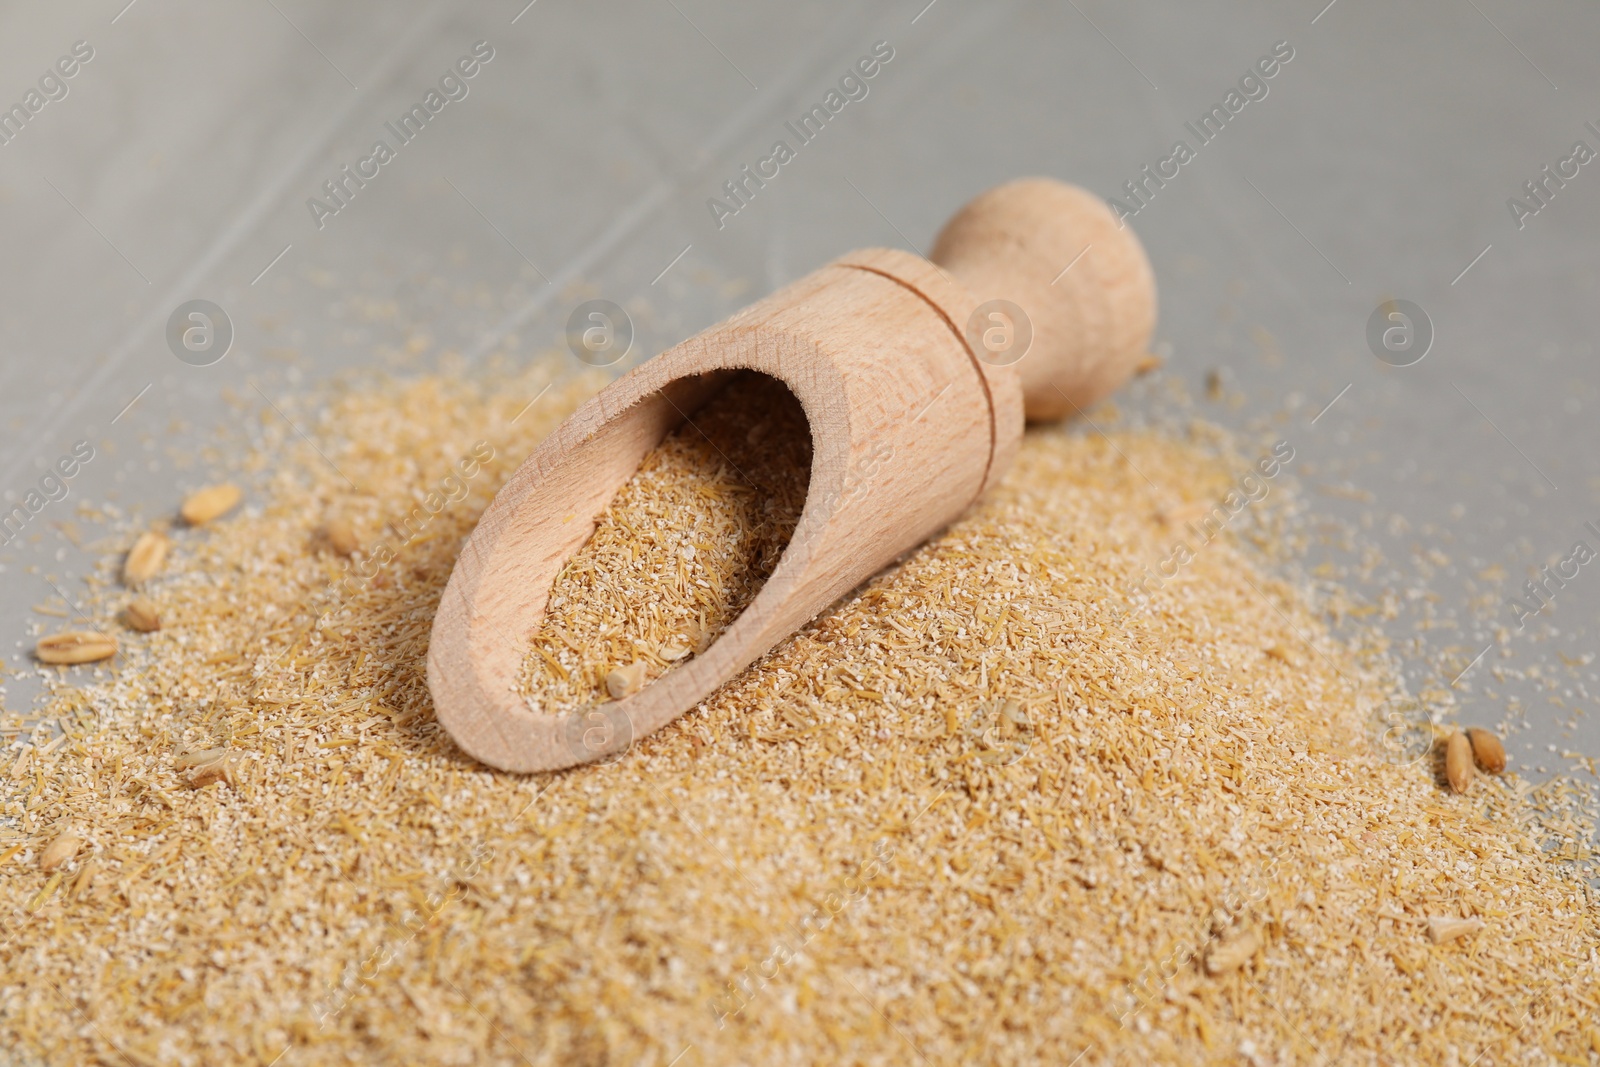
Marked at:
<point>700,525</point>
<point>1196,775</point>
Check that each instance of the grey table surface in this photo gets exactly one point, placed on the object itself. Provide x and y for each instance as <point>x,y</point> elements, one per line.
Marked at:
<point>1381,163</point>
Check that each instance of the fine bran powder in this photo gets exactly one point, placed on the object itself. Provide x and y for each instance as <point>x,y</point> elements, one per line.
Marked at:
<point>979,811</point>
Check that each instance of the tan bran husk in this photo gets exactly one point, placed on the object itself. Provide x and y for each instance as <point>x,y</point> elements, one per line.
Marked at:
<point>982,811</point>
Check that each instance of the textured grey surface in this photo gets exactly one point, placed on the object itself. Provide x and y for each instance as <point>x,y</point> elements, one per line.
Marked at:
<point>1378,165</point>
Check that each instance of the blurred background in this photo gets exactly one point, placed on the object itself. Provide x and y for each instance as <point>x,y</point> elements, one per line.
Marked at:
<point>1417,160</point>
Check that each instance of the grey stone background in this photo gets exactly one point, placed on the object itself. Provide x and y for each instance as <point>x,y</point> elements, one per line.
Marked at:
<point>1379,165</point>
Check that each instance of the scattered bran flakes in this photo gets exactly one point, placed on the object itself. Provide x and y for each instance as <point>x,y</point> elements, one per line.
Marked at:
<point>358,890</point>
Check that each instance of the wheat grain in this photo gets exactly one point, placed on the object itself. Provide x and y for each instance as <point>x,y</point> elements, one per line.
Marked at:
<point>145,558</point>
<point>76,646</point>
<point>212,502</point>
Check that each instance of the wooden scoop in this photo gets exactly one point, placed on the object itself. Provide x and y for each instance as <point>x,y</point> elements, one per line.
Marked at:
<point>915,381</point>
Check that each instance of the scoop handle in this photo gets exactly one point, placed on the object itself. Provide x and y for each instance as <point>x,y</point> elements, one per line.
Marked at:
<point>1080,276</point>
